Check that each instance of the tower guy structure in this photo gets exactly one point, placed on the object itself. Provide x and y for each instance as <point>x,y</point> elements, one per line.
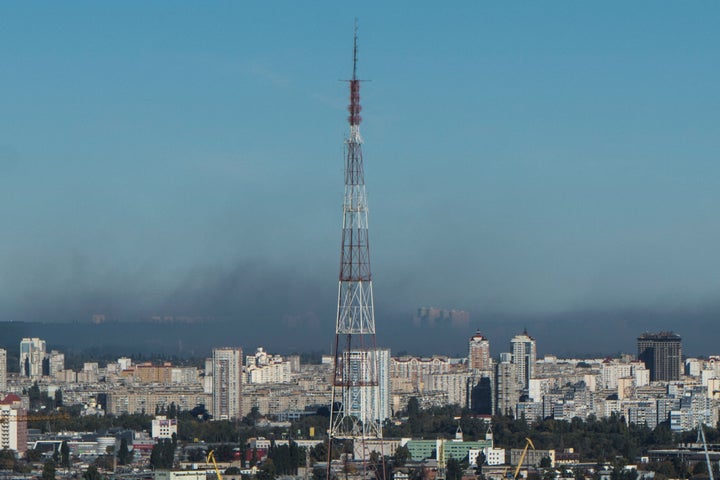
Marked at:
<point>357,409</point>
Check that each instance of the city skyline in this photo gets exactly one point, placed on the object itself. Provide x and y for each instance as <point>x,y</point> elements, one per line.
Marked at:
<point>149,165</point>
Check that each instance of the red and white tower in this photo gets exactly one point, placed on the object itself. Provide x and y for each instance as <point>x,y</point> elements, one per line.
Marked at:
<point>357,403</point>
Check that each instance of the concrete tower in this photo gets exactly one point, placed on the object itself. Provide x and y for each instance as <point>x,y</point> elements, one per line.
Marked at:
<point>227,383</point>
<point>524,356</point>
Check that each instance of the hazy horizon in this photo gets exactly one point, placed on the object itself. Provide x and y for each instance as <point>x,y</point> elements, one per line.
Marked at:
<point>540,164</point>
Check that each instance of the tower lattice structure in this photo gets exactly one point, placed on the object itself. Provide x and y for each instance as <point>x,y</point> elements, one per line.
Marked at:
<point>355,381</point>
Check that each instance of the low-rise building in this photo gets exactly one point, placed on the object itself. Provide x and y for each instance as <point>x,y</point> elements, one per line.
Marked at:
<point>163,427</point>
<point>532,457</point>
<point>180,475</point>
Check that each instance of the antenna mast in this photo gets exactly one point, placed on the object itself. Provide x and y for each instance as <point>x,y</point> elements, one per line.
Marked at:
<point>359,380</point>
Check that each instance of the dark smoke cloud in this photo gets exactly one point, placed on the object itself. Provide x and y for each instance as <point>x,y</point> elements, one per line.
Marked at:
<point>257,303</point>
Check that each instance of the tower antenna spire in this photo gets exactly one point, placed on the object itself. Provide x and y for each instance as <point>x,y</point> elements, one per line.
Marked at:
<point>354,77</point>
<point>359,400</point>
<point>354,108</point>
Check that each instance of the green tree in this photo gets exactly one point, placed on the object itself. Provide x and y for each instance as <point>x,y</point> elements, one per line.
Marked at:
<point>252,417</point>
<point>402,455</point>
<point>163,454</point>
<point>7,459</point>
<point>104,462</point>
<point>550,474</point>
<point>267,470</point>
<point>413,408</point>
<point>545,462</point>
<point>377,464</point>
<point>320,473</point>
<point>319,452</point>
<point>48,472</point>
<point>64,454</point>
<point>479,462</point>
<point>287,458</point>
<point>453,470</point>
<point>124,454</point>
<point>172,411</point>
<point>700,468</point>
<point>196,455</point>
<point>92,473</point>
<point>34,397</point>
<point>33,455</point>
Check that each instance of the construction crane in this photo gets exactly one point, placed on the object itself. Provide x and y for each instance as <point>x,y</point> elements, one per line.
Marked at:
<point>211,458</point>
<point>33,418</point>
<point>528,443</point>
<point>701,434</point>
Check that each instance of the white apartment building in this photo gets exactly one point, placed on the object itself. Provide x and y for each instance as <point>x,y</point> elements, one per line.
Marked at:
<point>524,355</point>
<point>273,373</point>
<point>507,387</point>
<point>124,363</point>
<point>641,374</point>
<point>56,363</point>
<point>368,401</point>
<point>612,371</point>
<point>455,384</point>
<point>265,368</point>
<point>13,427</point>
<point>538,387</point>
<point>493,456</point>
<point>184,375</point>
<point>32,354</point>
<point>163,427</point>
<point>693,367</point>
<point>227,383</point>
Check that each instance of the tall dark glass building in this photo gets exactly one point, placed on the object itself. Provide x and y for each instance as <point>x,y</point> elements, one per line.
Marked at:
<point>662,355</point>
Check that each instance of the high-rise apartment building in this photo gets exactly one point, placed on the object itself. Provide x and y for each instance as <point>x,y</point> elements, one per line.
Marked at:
<point>265,368</point>
<point>507,387</point>
<point>383,411</point>
<point>56,363</point>
<point>662,355</point>
<point>3,370</point>
<point>227,383</point>
<point>32,354</point>
<point>13,427</point>
<point>361,366</point>
<point>479,354</point>
<point>480,398</point>
<point>523,357</point>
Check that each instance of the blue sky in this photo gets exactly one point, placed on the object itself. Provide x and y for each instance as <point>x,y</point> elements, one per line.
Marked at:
<point>523,158</point>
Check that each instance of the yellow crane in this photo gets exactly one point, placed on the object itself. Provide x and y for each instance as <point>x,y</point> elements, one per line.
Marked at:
<point>211,458</point>
<point>528,443</point>
<point>31,418</point>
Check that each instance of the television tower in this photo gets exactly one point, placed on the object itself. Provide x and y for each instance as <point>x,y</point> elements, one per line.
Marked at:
<point>355,406</point>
